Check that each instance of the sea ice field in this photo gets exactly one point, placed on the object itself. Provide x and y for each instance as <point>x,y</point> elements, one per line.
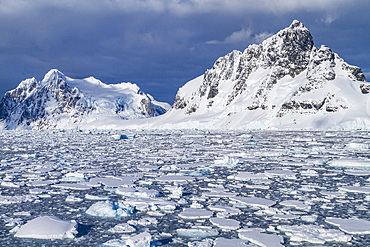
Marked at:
<point>184,188</point>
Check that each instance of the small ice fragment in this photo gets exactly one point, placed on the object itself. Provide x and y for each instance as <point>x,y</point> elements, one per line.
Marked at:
<point>48,227</point>
<point>110,209</point>
<point>246,176</point>
<point>351,226</point>
<point>174,178</point>
<point>137,192</point>
<point>71,198</point>
<point>253,201</point>
<point>73,177</point>
<point>295,204</point>
<point>140,240</point>
<point>97,197</point>
<point>71,186</point>
<point>195,213</point>
<point>197,232</point>
<point>352,163</point>
<point>355,189</point>
<point>225,224</point>
<point>203,243</point>
<point>115,243</point>
<point>224,242</point>
<point>122,228</point>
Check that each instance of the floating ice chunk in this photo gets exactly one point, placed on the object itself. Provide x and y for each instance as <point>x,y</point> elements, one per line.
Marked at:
<point>355,189</point>
<point>309,218</point>
<point>111,182</point>
<point>147,221</point>
<point>309,172</point>
<point>357,146</point>
<point>253,201</point>
<point>151,204</point>
<point>40,183</point>
<point>352,163</point>
<point>247,176</point>
<point>37,191</point>
<point>176,192</point>
<point>295,204</point>
<point>197,232</point>
<point>122,228</point>
<point>255,236</point>
<point>195,213</point>
<point>357,172</point>
<point>225,211</point>
<point>123,137</point>
<point>17,199</point>
<point>225,224</point>
<point>73,177</point>
<point>219,192</point>
<point>115,243</point>
<point>137,192</point>
<point>48,227</point>
<point>140,240</point>
<point>351,226</point>
<point>280,173</point>
<point>22,213</point>
<point>71,198</point>
<point>97,197</point>
<point>224,242</point>
<point>313,234</point>
<point>174,178</point>
<point>71,186</point>
<point>12,184</point>
<point>204,243</point>
<point>111,209</point>
<point>227,161</point>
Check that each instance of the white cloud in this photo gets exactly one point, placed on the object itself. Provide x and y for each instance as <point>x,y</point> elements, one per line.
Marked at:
<point>330,17</point>
<point>243,35</point>
<point>258,38</point>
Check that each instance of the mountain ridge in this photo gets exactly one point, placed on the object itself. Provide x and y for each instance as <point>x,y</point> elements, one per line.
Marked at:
<point>58,101</point>
<point>286,82</point>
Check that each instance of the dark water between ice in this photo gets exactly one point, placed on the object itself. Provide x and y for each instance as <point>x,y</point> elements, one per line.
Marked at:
<point>212,160</point>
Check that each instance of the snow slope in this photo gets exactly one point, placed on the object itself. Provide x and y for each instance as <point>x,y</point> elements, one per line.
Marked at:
<point>284,83</point>
<point>62,102</point>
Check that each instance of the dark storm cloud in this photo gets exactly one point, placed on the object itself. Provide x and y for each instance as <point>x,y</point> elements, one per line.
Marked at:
<point>160,44</point>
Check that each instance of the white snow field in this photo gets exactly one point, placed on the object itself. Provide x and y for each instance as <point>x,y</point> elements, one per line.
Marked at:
<point>184,188</point>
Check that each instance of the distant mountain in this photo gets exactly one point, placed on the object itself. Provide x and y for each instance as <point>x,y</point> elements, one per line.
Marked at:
<point>62,102</point>
<point>285,82</point>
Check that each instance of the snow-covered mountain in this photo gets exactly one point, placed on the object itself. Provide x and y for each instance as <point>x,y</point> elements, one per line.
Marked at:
<point>285,82</point>
<point>62,102</point>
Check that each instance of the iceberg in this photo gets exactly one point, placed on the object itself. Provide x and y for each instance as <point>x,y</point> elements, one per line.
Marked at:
<point>110,209</point>
<point>140,240</point>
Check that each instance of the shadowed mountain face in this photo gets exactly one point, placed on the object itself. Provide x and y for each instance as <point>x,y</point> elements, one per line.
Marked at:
<point>60,102</point>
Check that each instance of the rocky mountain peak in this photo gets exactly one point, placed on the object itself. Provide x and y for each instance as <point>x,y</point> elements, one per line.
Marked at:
<point>285,74</point>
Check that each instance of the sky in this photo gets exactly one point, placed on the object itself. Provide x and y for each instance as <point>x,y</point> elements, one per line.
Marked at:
<point>162,44</point>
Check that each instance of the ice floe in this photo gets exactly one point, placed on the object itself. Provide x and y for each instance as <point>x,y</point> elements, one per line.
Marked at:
<point>47,227</point>
<point>351,226</point>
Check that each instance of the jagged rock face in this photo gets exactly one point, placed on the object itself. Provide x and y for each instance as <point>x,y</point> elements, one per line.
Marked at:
<point>285,74</point>
<point>59,98</point>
